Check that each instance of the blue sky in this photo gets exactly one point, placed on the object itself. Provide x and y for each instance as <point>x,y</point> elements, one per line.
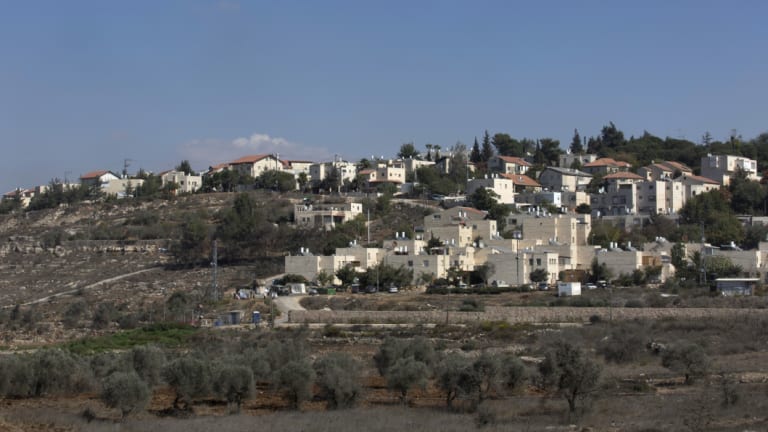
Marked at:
<point>87,84</point>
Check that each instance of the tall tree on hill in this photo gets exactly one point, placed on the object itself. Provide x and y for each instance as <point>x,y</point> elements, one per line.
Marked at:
<point>184,167</point>
<point>475,156</point>
<point>408,150</point>
<point>576,145</point>
<point>507,146</point>
<point>611,137</point>
<point>487,150</point>
<point>550,150</point>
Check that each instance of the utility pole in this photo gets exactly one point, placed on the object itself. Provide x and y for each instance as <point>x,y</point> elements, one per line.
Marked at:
<point>368,225</point>
<point>126,164</point>
<point>215,265</point>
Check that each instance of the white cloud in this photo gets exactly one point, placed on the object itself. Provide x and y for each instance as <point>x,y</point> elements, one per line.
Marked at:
<point>206,152</point>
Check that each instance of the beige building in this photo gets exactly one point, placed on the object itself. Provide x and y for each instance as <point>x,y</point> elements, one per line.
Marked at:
<point>98,178</point>
<point>122,188</point>
<point>722,167</point>
<point>508,165</point>
<point>564,179</point>
<point>604,166</point>
<point>187,183</point>
<point>568,159</point>
<point>255,165</point>
<point>666,170</point>
<point>320,171</point>
<point>325,215</point>
<point>501,186</point>
<point>385,172</point>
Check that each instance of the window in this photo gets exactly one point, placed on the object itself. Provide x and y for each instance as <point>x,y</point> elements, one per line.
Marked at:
<point>426,263</point>
<point>410,263</point>
<point>538,262</point>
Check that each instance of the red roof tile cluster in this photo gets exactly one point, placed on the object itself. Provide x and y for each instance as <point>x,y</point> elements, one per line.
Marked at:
<point>93,174</point>
<point>515,160</point>
<point>623,175</point>
<point>250,159</point>
<point>521,180</point>
<point>607,162</point>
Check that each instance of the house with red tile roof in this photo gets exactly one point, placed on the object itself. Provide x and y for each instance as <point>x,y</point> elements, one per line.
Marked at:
<point>508,165</point>
<point>255,165</point>
<point>664,170</point>
<point>605,166</point>
<point>98,178</point>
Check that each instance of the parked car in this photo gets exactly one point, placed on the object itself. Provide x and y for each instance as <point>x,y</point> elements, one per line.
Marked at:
<point>370,289</point>
<point>392,290</point>
<point>312,291</point>
<point>543,286</point>
<point>591,286</point>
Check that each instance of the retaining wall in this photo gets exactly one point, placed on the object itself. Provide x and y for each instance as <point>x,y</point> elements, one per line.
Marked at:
<point>513,315</point>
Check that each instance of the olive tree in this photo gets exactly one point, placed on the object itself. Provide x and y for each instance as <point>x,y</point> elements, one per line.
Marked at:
<point>235,384</point>
<point>405,374</point>
<point>568,368</point>
<point>687,358</point>
<point>126,392</point>
<point>338,376</point>
<point>296,378</point>
<point>189,378</point>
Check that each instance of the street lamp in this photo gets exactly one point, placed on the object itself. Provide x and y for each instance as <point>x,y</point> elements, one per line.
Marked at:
<point>517,235</point>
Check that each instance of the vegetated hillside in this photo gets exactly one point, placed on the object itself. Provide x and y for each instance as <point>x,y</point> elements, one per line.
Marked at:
<point>126,263</point>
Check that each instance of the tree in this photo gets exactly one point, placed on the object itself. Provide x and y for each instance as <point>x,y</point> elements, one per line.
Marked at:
<point>405,374</point>
<point>574,375</point>
<point>296,378</point>
<point>576,145</point>
<point>193,247</point>
<point>279,181</point>
<point>485,271</point>
<point>508,146</point>
<point>235,384</point>
<point>190,378</point>
<point>583,208</point>
<point>486,151</point>
<point>474,155</point>
<point>323,278</point>
<point>408,150</point>
<point>338,376</point>
<point>420,348</point>
<point>687,358</point>
<point>455,376</point>
<point>148,363</point>
<point>346,275</point>
<point>184,167</point>
<point>539,275</point>
<point>126,392</point>
<point>483,199</point>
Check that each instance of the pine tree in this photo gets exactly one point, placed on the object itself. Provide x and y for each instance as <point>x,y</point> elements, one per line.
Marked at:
<point>576,146</point>
<point>475,156</point>
<point>487,149</point>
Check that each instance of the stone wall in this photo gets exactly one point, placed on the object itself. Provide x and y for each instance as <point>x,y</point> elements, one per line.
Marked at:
<point>512,315</point>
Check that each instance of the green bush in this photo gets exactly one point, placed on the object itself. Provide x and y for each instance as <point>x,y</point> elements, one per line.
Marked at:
<point>126,392</point>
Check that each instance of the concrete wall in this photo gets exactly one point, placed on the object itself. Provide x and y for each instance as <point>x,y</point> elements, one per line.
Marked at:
<point>515,315</point>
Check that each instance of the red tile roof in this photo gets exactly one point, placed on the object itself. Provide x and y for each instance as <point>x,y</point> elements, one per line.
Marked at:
<point>521,180</point>
<point>366,171</point>
<point>250,159</point>
<point>94,174</point>
<point>624,176</point>
<point>607,162</point>
<point>515,160</point>
<point>702,179</point>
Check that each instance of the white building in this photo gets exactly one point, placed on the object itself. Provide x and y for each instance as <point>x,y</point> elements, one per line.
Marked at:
<point>722,167</point>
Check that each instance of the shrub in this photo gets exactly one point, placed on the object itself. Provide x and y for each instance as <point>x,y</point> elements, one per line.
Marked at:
<point>296,379</point>
<point>687,358</point>
<point>471,305</point>
<point>148,363</point>
<point>126,392</point>
<point>405,374</point>
<point>338,376</point>
<point>190,378</point>
<point>624,344</point>
<point>235,384</point>
<point>393,349</point>
<point>574,375</point>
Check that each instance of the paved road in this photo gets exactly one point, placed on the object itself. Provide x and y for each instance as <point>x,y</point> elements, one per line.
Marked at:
<point>285,304</point>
